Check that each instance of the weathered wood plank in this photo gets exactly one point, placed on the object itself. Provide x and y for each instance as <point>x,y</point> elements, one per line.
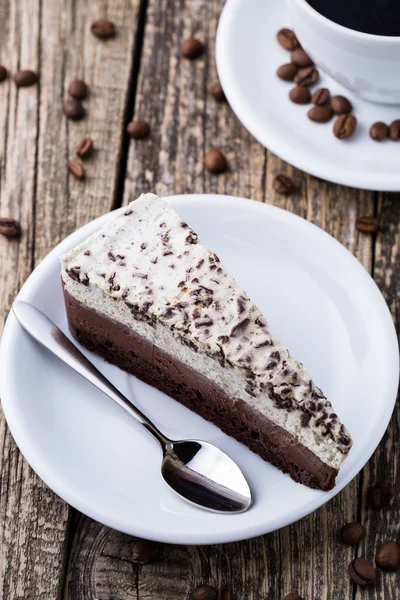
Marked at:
<point>383,525</point>
<point>53,38</point>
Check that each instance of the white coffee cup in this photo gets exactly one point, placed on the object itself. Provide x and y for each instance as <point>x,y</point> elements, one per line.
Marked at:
<point>366,64</point>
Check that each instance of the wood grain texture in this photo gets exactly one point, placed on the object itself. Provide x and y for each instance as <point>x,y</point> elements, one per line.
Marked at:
<point>51,37</point>
<point>383,525</point>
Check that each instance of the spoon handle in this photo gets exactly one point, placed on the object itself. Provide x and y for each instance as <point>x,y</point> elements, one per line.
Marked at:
<point>52,338</point>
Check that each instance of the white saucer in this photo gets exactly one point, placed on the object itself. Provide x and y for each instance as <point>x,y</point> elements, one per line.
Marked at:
<point>247,58</point>
<point>319,300</point>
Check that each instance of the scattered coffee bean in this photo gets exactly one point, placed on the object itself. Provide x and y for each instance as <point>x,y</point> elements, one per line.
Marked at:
<point>76,169</point>
<point>287,72</point>
<point>367,225</point>
<point>84,147</point>
<point>138,129</point>
<point>10,227</point>
<point>204,592</point>
<point>293,597</point>
<point>215,162</point>
<point>320,96</point>
<point>300,95</point>
<point>282,184</point>
<point>394,130</point>
<point>145,551</point>
<point>224,593</point>
<point>191,48</point>
<point>307,76</point>
<point>78,89</point>
<point>344,126</point>
<point>216,91</point>
<point>340,105</point>
<point>320,114</point>
<point>362,572</point>
<point>25,78</point>
<point>379,131</point>
<point>287,38</point>
<point>300,58</point>
<point>352,533</point>
<point>380,494</point>
<point>73,109</point>
<point>103,28</point>
<point>3,73</point>
<point>387,556</point>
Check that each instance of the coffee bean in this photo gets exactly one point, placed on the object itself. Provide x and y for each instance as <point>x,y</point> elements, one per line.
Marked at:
<point>78,89</point>
<point>10,227</point>
<point>320,114</point>
<point>320,96</point>
<point>368,225</point>
<point>73,109</point>
<point>84,147</point>
<point>216,91</point>
<point>282,184</point>
<point>191,48</point>
<point>138,129</point>
<point>103,28</point>
<point>293,597</point>
<point>387,556</point>
<point>287,38</point>
<point>379,131</point>
<point>300,95</point>
<point>362,572</point>
<point>224,593</point>
<point>204,592</point>
<point>340,105</point>
<point>307,76</point>
<point>352,533</point>
<point>3,73</point>
<point>76,169</point>
<point>145,551</point>
<point>344,126</point>
<point>215,162</point>
<point>287,72</point>
<point>25,78</point>
<point>394,130</point>
<point>300,58</point>
<point>380,494</point>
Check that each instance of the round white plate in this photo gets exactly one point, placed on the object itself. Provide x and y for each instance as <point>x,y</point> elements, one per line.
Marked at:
<point>320,302</point>
<point>247,58</point>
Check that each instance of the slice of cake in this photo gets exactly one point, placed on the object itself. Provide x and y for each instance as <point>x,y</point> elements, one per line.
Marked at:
<point>148,296</point>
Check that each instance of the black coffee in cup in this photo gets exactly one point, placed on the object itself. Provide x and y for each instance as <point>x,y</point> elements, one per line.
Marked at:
<point>380,17</point>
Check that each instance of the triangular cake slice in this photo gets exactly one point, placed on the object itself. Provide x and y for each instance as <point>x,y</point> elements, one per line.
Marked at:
<point>148,296</point>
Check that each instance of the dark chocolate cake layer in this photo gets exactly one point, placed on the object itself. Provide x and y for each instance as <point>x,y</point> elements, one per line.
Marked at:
<point>119,345</point>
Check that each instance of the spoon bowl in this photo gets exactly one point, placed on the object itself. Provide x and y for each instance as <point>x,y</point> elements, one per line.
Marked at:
<point>206,476</point>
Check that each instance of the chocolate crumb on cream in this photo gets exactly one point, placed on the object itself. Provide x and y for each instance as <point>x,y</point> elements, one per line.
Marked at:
<point>194,333</point>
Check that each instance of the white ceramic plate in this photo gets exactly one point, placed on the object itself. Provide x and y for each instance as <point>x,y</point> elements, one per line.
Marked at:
<point>247,58</point>
<point>319,300</point>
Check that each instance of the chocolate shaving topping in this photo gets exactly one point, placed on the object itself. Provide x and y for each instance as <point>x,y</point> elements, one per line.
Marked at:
<point>154,260</point>
<point>200,263</point>
<point>261,321</point>
<point>140,275</point>
<point>128,212</point>
<point>240,327</point>
<point>184,225</point>
<point>203,321</point>
<point>143,246</point>
<point>87,253</point>
<point>241,304</point>
<point>111,256</point>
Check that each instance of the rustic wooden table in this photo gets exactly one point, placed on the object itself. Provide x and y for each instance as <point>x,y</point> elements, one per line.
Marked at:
<point>48,550</point>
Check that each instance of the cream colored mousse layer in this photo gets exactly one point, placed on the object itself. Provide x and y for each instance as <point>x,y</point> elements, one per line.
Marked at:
<point>148,270</point>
